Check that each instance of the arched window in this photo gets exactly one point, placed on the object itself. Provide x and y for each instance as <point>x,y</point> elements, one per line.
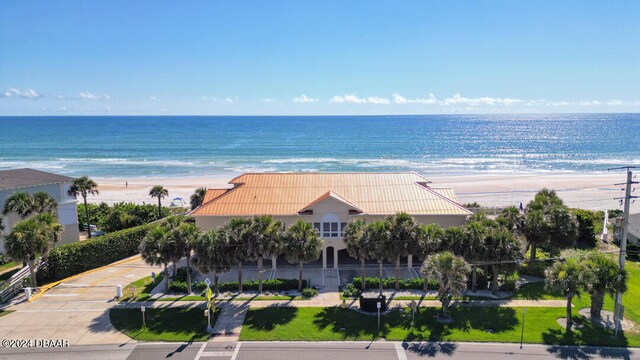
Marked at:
<point>330,226</point>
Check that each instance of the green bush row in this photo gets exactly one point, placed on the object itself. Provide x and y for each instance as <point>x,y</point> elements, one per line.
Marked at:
<point>267,285</point>
<point>70,259</point>
<point>390,283</point>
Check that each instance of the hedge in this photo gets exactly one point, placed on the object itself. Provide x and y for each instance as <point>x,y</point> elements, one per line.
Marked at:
<point>267,285</point>
<point>390,283</point>
<point>71,259</point>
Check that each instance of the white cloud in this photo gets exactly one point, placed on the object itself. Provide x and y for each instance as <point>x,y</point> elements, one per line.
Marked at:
<point>267,100</point>
<point>355,99</point>
<point>614,102</point>
<point>215,99</point>
<point>589,102</point>
<point>304,99</point>
<point>90,96</point>
<point>399,99</point>
<point>23,94</point>
<point>557,103</point>
<point>459,99</point>
<point>153,98</point>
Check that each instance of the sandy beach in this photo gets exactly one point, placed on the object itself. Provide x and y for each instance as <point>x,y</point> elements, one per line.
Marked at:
<point>589,191</point>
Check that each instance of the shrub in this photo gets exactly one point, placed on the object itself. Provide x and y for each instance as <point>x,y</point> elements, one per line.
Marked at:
<point>70,259</point>
<point>267,285</point>
<point>309,292</point>
<point>351,291</point>
<point>390,283</point>
<point>370,304</point>
<point>178,286</point>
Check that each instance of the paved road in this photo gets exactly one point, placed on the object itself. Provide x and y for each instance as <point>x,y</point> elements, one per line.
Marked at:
<point>318,351</point>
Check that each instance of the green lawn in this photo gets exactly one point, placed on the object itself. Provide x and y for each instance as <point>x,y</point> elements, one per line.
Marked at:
<point>5,312</point>
<point>8,265</point>
<point>142,290</point>
<point>254,298</point>
<point>172,324</point>
<point>8,274</point>
<point>484,324</point>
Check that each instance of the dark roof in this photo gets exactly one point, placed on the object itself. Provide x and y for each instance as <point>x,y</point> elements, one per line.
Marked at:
<point>19,178</point>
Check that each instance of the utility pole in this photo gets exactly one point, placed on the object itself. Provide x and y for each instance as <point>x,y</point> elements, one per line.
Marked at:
<point>619,309</point>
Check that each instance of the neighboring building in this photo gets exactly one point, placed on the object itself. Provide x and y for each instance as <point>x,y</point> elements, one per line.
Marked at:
<point>329,201</point>
<point>633,231</point>
<point>31,181</point>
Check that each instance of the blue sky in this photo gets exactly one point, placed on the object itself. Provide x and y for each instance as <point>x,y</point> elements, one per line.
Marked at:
<point>321,57</point>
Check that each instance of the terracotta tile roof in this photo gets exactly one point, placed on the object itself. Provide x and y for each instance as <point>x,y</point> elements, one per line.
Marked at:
<point>289,193</point>
<point>212,194</point>
<point>20,178</point>
<point>328,195</point>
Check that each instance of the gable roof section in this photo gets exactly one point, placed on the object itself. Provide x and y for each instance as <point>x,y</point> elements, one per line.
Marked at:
<point>21,178</point>
<point>445,191</point>
<point>289,193</point>
<point>331,195</point>
<point>212,194</point>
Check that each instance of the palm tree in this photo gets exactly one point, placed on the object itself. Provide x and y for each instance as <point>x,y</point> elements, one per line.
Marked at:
<point>563,229</point>
<point>186,235</point>
<point>604,276</point>
<point>31,239</point>
<point>536,230</point>
<point>474,248</point>
<point>402,228</point>
<point>511,218</point>
<point>429,241</point>
<point>20,203</point>
<point>505,252</point>
<point>265,238</point>
<point>198,197</point>
<point>159,192</point>
<point>157,250</point>
<point>451,273</point>
<point>213,253</point>
<point>356,241</point>
<point>302,245</point>
<point>84,187</point>
<point>378,238</point>
<point>43,202</point>
<point>568,277</point>
<point>237,233</point>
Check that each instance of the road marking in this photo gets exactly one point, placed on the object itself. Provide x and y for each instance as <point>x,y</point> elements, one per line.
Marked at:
<point>235,351</point>
<point>217,353</point>
<point>204,345</point>
<point>400,351</point>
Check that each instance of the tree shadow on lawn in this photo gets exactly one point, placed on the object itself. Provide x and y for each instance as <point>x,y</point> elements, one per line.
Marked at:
<point>588,335</point>
<point>536,291</point>
<point>266,319</point>
<point>489,319</point>
<point>354,325</point>
<point>176,324</point>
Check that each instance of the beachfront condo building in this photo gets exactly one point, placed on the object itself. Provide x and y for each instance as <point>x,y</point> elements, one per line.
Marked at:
<point>329,201</point>
<point>32,181</point>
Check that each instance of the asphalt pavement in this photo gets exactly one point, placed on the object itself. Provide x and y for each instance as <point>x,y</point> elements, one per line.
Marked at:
<point>378,350</point>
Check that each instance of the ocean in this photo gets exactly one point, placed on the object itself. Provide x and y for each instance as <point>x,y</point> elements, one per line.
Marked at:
<point>154,146</point>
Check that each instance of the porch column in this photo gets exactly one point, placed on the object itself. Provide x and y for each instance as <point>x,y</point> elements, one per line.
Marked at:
<point>409,261</point>
<point>273,263</point>
<point>335,257</point>
<point>324,257</point>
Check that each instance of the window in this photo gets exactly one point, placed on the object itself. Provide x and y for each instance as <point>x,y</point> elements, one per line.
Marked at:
<point>316,227</point>
<point>342,226</point>
<point>330,226</point>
